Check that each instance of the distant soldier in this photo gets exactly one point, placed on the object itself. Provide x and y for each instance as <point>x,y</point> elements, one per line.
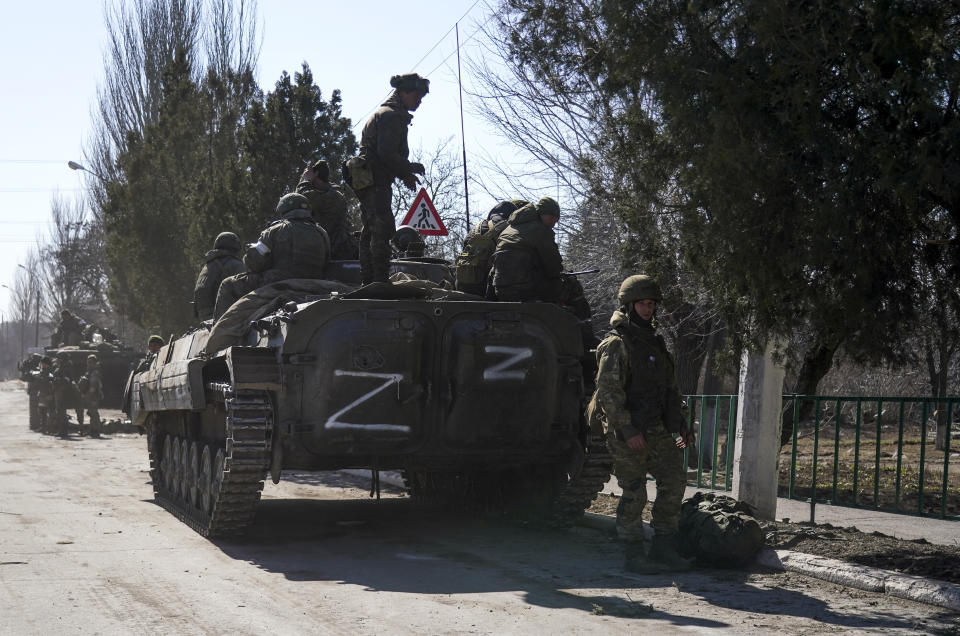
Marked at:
<point>154,344</point>
<point>527,263</point>
<point>407,242</point>
<point>40,388</point>
<point>69,330</point>
<point>292,247</point>
<point>473,262</point>
<point>219,263</point>
<point>329,208</point>
<point>383,154</point>
<point>640,408</point>
<point>92,394</point>
<point>65,395</point>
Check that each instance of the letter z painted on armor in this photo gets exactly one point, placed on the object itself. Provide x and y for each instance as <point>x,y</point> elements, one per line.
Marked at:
<point>388,378</point>
<point>502,370</point>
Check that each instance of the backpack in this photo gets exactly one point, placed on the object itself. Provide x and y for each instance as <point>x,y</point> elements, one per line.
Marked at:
<point>719,530</point>
<point>473,263</point>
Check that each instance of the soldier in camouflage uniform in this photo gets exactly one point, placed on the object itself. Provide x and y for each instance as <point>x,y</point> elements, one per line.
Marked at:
<point>407,242</point>
<point>93,394</point>
<point>292,247</point>
<point>527,264</point>
<point>219,263</point>
<point>473,262</point>
<point>641,411</point>
<point>383,146</point>
<point>329,210</point>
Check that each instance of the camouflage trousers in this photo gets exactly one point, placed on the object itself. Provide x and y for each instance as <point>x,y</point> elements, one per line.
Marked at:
<point>235,287</point>
<point>662,459</point>
<point>379,227</point>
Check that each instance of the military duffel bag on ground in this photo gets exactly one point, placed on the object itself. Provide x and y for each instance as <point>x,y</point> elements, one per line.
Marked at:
<point>719,530</point>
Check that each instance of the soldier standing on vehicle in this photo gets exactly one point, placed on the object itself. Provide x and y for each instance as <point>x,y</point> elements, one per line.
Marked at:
<point>329,208</point>
<point>640,408</point>
<point>292,247</point>
<point>473,262</point>
<point>219,263</point>
<point>383,158</point>
<point>69,330</point>
<point>93,394</point>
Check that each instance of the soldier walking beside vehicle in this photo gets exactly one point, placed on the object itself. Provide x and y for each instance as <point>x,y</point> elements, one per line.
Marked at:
<point>640,407</point>
<point>219,263</point>
<point>92,394</point>
<point>383,158</point>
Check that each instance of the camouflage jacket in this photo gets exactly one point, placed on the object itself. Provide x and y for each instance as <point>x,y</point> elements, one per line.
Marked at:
<point>636,380</point>
<point>217,265</point>
<point>527,257</point>
<point>384,141</point>
<point>330,211</point>
<point>295,246</point>
<point>94,386</point>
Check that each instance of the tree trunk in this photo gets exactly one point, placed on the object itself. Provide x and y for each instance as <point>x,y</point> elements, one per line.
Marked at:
<point>816,363</point>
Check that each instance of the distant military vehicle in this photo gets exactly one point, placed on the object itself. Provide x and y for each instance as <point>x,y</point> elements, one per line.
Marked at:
<point>474,401</point>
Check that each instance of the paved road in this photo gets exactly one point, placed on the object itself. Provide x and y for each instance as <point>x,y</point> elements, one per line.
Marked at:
<point>84,550</point>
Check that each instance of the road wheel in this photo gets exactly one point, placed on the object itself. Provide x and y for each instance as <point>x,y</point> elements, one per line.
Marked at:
<point>190,461</point>
<point>205,497</point>
<point>167,465</point>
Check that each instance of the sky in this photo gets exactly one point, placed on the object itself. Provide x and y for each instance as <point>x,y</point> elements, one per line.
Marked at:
<point>51,62</point>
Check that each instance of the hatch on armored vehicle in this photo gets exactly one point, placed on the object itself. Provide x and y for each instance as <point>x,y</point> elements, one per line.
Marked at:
<point>472,400</point>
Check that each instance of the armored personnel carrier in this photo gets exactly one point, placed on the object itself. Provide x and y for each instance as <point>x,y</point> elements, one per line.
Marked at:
<point>474,401</point>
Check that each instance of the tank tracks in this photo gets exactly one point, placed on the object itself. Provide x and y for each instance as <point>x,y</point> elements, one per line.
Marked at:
<point>555,500</point>
<point>215,488</point>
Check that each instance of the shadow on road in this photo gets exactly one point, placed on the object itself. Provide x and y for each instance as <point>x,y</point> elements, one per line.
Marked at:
<point>396,545</point>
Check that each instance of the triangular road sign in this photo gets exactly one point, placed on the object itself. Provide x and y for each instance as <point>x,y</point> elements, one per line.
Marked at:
<point>423,216</point>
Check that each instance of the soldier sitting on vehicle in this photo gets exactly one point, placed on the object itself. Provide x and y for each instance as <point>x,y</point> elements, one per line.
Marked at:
<point>329,208</point>
<point>407,242</point>
<point>473,262</point>
<point>219,263</point>
<point>292,247</point>
<point>154,344</point>
<point>69,330</point>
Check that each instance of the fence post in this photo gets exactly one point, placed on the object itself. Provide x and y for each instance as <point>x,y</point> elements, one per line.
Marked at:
<point>758,432</point>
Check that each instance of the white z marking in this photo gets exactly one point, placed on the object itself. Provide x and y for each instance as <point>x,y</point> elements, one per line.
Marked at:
<point>389,378</point>
<point>500,370</point>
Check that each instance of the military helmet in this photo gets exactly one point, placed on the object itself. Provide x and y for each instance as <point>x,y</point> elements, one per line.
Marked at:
<point>155,340</point>
<point>408,240</point>
<point>548,207</point>
<point>503,209</point>
<point>410,82</point>
<point>638,287</point>
<point>292,201</point>
<point>92,360</point>
<point>227,241</point>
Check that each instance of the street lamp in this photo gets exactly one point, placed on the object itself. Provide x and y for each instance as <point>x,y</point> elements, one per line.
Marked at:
<point>73,165</point>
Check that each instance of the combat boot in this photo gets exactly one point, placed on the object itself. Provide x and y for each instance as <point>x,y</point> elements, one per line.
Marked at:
<point>637,561</point>
<point>663,551</point>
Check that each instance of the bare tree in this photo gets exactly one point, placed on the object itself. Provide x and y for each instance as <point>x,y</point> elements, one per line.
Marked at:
<point>443,181</point>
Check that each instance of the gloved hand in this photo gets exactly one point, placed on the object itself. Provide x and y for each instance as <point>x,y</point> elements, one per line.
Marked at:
<point>411,182</point>
<point>417,168</point>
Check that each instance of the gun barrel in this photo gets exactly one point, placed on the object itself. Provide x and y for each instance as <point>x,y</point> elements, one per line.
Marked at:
<point>583,271</point>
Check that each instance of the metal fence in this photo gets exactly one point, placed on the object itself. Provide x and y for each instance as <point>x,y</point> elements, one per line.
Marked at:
<point>863,452</point>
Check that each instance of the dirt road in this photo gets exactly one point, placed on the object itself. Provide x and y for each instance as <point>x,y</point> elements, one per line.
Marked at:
<point>84,550</point>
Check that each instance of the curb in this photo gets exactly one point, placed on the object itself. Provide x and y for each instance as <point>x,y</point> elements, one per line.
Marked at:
<point>912,588</point>
<point>861,577</point>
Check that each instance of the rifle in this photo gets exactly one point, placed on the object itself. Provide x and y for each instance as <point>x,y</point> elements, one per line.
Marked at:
<point>582,271</point>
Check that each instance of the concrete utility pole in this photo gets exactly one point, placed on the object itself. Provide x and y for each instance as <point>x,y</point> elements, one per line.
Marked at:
<point>758,432</point>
